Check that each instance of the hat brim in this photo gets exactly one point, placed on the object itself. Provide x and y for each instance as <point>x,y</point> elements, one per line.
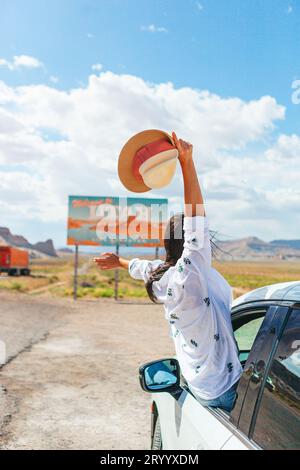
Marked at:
<point>127,155</point>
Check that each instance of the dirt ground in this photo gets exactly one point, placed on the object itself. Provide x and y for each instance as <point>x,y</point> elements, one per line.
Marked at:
<point>71,380</point>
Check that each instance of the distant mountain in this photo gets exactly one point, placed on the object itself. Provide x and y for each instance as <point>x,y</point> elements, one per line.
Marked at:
<point>46,247</point>
<point>287,243</point>
<point>65,250</point>
<point>35,249</point>
<point>251,248</point>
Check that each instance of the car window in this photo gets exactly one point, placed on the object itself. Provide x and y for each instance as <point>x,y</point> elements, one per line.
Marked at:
<point>245,335</point>
<point>278,421</point>
<point>248,389</point>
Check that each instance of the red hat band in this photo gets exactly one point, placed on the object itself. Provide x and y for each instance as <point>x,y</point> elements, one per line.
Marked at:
<point>147,152</point>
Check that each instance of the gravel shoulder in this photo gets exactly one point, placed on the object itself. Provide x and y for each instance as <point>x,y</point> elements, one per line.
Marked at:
<point>71,380</point>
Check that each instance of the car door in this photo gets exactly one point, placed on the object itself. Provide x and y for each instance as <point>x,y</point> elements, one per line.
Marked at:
<point>276,420</point>
<point>254,367</point>
<point>255,376</point>
<point>186,424</point>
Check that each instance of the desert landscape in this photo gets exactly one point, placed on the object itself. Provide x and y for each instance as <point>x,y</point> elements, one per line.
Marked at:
<point>246,263</point>
<point>71,375</point>
<point>54,277</point>
<point>70,363</point>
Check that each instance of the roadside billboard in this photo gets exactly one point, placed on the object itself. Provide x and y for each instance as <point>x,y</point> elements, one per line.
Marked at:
<point>106,221</point>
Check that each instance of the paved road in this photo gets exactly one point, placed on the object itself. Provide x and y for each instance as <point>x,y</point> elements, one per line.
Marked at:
<point>71,381</point>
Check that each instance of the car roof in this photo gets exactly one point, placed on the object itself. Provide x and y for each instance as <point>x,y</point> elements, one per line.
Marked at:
<point>280,291</point>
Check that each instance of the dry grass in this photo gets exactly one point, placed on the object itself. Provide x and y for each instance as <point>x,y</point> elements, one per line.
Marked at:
<point>55,276</point>
<point>251,275</point>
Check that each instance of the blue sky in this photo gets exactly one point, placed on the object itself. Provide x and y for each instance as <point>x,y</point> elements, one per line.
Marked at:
<point>236,49</point>
<point>246,48</point>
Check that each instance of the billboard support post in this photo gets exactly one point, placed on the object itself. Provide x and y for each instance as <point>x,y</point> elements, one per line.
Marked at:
<point>117,275</point>
<point>75,273</point>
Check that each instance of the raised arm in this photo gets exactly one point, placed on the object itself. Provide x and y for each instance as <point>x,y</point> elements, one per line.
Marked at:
<point>197,246</point>
<point>193,200</point>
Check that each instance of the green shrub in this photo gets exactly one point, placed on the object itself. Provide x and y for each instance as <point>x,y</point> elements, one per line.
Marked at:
<point>104,292</point>
<point>17,286</point>
<point>53,279</point>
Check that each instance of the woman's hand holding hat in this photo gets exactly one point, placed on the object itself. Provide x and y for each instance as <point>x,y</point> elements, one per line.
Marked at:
<point>184,148</point>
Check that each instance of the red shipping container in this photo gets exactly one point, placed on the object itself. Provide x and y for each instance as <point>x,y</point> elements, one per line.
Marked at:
<point>13,260</point>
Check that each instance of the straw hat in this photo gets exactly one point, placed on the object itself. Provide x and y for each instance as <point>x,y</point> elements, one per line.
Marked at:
<point>147,161</point>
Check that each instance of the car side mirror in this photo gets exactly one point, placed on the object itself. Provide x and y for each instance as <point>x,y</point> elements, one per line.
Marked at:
<point>160,376</point>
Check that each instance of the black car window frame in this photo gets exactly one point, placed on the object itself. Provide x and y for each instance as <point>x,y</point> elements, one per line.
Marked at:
<point>290,310</point>
<point>248,389</point>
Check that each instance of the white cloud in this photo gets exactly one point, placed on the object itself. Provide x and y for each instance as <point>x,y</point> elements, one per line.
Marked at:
<point>5,63</point>
<point>26,61</point>
<point>97,67</point>
<point>151,28</point>
<point>199,6</point>
<point>90,35</point>
<point>68,142</point>
<point>261,192</point>
<point>7,94</point>
<point>289,9</point>
<point>287,147</point>
<point>21,61</point>
<point>53,79</point>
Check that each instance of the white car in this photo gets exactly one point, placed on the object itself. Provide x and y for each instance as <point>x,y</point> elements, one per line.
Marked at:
<point>266,415</point>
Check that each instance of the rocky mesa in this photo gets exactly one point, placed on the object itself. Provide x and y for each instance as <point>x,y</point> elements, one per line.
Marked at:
<point>39,249</point>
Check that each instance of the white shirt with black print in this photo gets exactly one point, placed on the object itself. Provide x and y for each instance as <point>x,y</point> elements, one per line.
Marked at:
<point>197,301</point>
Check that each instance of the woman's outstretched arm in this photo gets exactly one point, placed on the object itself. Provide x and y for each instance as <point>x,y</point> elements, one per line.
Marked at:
<point>137,268</point>
<point>111,261</point>
<point>193,200</point>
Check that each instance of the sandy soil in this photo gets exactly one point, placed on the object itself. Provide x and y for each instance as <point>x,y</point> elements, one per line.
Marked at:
<point>71,380</point>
